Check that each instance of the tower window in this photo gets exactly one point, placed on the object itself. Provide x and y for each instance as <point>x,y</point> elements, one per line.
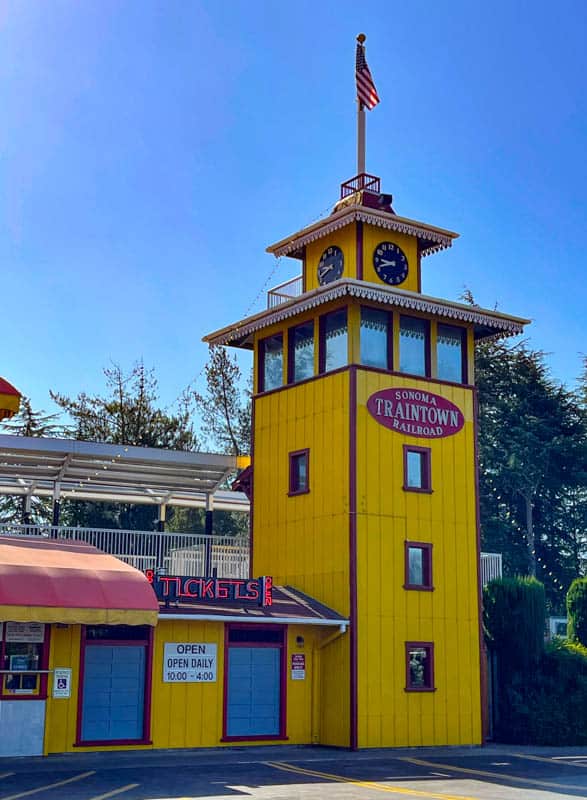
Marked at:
<point>299,472</point>
<point>418,561</point>
<point>301,352</point>
<point>451,353</point>
<point>419,667</point>
<point>376,338</point>
<point>414,346</point>
<point>417,469</point>
<point>271,363</point>
<point>333,340</point>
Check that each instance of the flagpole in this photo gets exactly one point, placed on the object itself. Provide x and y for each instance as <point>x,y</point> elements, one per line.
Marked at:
<point>360,124</point>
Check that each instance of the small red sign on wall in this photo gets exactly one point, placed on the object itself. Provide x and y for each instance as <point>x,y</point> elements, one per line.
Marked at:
<point>415,412</point>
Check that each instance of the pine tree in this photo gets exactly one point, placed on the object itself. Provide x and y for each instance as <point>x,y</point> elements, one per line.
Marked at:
<point>28,422</point>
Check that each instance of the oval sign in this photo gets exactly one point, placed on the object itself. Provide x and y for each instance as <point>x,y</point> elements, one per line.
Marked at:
<point>415,412</point>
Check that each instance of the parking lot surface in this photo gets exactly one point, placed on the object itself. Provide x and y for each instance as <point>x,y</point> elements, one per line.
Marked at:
<point>491,773</point>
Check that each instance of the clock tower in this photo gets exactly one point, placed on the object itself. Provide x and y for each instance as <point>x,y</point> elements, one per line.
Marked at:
<point>364,490</point>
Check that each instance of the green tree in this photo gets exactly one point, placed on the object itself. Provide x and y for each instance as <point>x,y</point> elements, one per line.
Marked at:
<point>533,465</point>
<point>128,413</point>
<point>225,406</point>
<point>28,422</point>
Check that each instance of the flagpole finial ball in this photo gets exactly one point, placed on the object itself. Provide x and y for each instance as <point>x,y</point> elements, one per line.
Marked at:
<point>361,38</point>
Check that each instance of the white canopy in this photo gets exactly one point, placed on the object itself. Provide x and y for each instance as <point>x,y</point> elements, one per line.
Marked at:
<point>77,470</point>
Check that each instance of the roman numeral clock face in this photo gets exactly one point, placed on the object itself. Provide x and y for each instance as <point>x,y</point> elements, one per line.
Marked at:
<point>390,263</point>
<point>330,265</point>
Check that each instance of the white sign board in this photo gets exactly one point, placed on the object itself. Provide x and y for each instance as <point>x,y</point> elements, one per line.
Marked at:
<point>31,632</point>
<point>189,662</point>
<point>62,682</point>
<point>298,667</point>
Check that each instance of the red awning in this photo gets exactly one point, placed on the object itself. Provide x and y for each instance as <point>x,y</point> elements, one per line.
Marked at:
<point>9,399</point>
<point>44,580</point>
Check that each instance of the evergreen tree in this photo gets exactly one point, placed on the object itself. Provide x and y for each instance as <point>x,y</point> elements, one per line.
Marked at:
<point>128,413</point>
<point>533,466</point>
<point>225,407</point>
<point>28,422</point>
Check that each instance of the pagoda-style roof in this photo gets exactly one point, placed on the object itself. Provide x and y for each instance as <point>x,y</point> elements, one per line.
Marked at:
<point>487,323</point>
<point>430,238</point>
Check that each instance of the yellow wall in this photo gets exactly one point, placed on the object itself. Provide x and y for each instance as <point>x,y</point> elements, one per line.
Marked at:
<point>388,614</point>
<point>190,714</point>
<point>303,540</point>
<point>346,239</point>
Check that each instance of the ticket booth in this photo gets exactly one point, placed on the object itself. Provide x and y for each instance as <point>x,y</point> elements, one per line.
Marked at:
<point>49,588</point>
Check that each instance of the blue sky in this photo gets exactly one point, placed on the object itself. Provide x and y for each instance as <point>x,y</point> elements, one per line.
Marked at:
<point>150,151</point>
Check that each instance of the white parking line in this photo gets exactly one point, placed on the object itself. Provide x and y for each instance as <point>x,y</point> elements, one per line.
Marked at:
<point>28,793</point>
<point>114,792</point>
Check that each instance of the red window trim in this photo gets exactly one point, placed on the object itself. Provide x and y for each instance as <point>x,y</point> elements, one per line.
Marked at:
<point>426,470</point>
<point>427,353</point>
<point>427,548</point>
<point>464,351</point>
<point>429,646</point>
<point>261,362</point>
<point>390,321</point>
<point>44,665</point>
<point>291,350</point>
<point>148,644</point>
<point>294,492</point>
<point>322,339</point>
<point>278,737</point>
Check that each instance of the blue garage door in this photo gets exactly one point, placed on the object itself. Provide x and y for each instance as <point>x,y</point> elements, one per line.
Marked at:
<point>253,696</point>
<point>114,692</point>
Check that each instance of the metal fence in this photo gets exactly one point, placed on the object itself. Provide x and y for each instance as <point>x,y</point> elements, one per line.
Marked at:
<point>491,567</point>
<point>285,291</point>
<point>176,553</point>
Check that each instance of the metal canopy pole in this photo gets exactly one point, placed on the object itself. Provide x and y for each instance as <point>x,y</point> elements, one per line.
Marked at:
<point>208,529</point>
<point>161,518</point>
<point>56,503</point>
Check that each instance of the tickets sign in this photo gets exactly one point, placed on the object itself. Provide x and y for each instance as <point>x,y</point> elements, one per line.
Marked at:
<point>415,412</point>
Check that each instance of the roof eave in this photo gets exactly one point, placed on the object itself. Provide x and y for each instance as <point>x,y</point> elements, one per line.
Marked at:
<point>432,237</point>
<point>486,323</point>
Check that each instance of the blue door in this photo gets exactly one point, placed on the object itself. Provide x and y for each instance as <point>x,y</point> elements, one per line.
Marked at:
<point>114,693</point>
<point>253,695</point>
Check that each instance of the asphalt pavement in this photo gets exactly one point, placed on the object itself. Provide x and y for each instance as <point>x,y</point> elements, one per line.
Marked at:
<point>301,773</point>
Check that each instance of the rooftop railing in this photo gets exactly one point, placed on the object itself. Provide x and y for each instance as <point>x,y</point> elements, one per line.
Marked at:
<point>176,553</point>
<point>180,553</point>
<point>284,292</point>
<point>491,567</point>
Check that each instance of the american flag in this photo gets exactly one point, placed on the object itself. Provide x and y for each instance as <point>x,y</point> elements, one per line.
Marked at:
<point>366,91</point>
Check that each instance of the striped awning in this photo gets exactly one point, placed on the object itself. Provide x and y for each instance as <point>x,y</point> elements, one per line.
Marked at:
<point>43,580</point>
<point>9,400</point>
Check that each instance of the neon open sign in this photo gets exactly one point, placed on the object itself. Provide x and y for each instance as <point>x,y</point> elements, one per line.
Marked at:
<point>189,589</point>
<point>414,412</point>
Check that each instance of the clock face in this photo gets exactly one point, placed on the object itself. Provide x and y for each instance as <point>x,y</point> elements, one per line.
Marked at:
<point>330,265</point>
<point>390,263</point>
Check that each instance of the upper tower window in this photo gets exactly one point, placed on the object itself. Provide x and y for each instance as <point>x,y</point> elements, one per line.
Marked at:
<point>271,363</point>
<point>301,352</point>
<point>414,340</point>
<point>333,340</point>
<point>376,341</point>
<point>451,353</point>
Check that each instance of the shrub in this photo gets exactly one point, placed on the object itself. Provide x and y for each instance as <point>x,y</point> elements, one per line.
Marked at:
<point>514,618</point>
<point>548,706</point>
<point>577,611</point>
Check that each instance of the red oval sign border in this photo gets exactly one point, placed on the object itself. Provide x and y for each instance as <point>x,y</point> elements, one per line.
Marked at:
<point>415,412</point>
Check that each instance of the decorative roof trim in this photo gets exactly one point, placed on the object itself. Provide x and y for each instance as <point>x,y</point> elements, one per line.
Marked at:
<point>439,239</point>
<point>500,324</point>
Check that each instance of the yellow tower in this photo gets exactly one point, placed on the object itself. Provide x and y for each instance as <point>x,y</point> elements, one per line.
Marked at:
<point>364,458</point>
<point>365,473</point>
